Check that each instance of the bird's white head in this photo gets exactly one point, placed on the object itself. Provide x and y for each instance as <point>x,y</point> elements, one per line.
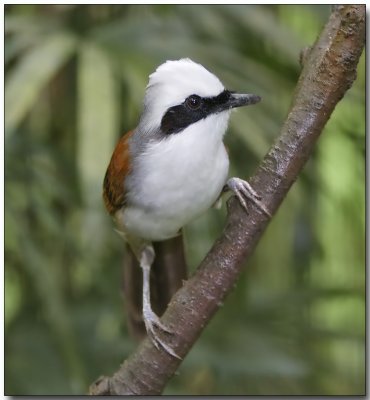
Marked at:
<point>181,93</point>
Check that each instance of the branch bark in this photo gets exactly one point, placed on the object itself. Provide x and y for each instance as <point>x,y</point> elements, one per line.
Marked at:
<point>329,69</point>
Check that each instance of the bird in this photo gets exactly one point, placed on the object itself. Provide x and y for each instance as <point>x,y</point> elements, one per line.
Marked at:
<point>173,166</point>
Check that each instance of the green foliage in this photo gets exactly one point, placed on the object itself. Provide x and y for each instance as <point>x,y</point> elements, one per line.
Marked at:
<point>75,79</point>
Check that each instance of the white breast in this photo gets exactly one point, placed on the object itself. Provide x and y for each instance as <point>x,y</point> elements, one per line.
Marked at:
<point>177,179</point>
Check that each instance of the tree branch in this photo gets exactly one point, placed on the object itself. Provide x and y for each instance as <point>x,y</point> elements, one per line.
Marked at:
<point>329,69</point>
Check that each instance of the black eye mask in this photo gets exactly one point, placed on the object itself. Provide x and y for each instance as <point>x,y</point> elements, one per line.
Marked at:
<point>193,109</point>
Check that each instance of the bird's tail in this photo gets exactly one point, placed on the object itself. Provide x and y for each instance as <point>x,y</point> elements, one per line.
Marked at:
<point>167,274</point>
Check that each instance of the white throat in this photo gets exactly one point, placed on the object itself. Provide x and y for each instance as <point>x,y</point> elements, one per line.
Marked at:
<point>177,179</point>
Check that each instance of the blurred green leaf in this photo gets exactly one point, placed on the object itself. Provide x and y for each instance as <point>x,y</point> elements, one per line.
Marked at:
<point>97,133</point>
<point>39,65</point>
<point>98,119</point>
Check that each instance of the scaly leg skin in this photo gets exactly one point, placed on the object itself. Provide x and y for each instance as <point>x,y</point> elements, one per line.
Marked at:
<point>151,320</point>
<point>242,189</point>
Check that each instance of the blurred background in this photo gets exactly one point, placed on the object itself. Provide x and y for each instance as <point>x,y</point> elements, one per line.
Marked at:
<point>75,79</point>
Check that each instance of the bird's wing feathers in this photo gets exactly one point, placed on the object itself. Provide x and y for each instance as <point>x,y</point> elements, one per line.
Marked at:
<point>118,169</point>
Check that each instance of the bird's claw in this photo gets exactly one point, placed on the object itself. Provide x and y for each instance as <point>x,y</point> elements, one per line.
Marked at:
<point>242,189</point>
<point>151,320</point>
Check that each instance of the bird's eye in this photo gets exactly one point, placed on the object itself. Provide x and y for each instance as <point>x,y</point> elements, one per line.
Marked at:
<point>193,102</point>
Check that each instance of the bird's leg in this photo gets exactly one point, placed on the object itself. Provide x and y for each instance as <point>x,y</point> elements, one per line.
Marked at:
<point>151,319</point>
<point>146,262</point>
<point>242,189</point>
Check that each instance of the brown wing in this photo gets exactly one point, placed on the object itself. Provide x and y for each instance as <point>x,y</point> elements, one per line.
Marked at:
<point>114,180</point>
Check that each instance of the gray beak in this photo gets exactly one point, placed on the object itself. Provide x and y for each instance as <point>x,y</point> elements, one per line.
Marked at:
<point>240,100</point>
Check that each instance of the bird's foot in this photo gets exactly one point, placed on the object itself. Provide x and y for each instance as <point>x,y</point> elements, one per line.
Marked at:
<point>151,321</point>
<point>242,190</point>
